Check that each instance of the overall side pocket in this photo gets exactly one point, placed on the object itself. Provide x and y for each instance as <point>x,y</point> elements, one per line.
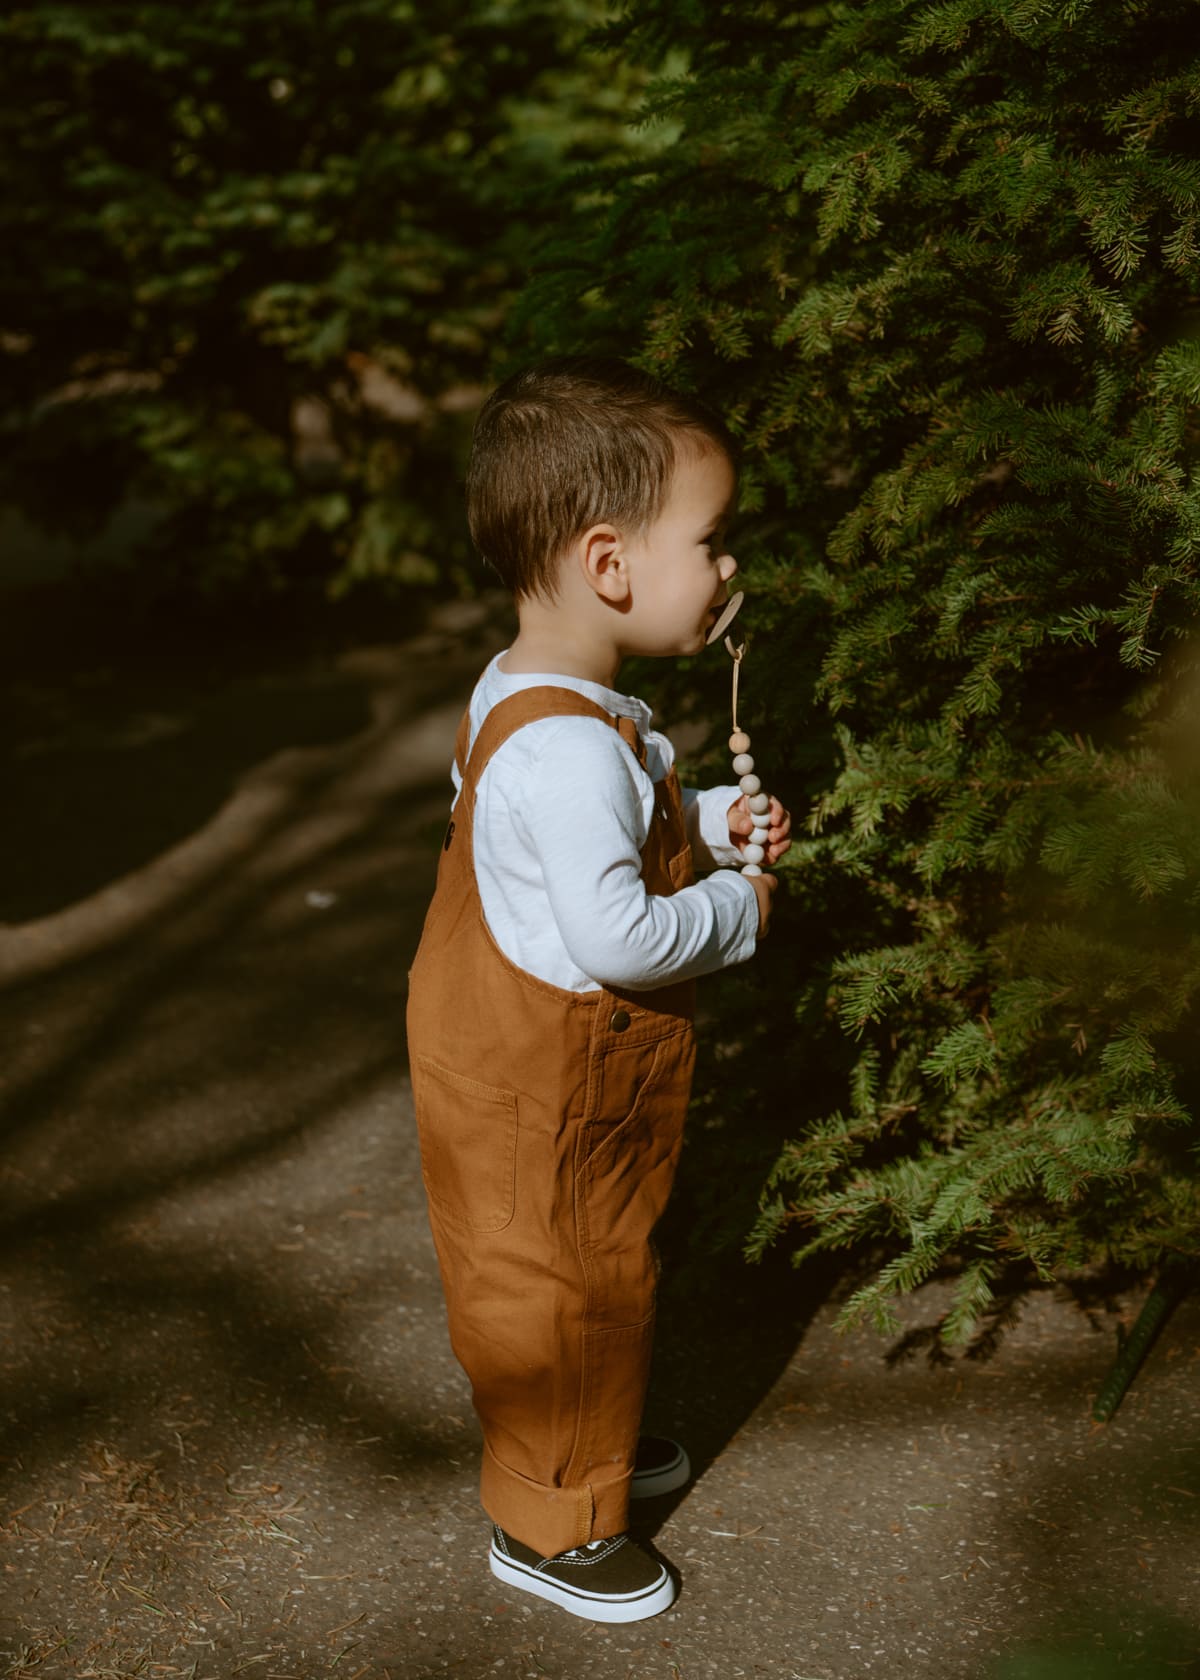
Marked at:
<point>468,1134</point>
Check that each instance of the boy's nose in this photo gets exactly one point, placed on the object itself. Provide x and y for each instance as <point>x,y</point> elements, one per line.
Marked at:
<point>727,566</point>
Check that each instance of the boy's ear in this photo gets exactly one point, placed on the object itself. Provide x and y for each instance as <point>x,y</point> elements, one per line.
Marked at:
<point>601,552</point>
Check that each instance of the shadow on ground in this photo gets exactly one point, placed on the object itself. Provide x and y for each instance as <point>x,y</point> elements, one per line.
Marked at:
<point>96,790</point>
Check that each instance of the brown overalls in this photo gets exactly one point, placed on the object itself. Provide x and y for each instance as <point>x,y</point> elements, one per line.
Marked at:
<point>550,1125</point>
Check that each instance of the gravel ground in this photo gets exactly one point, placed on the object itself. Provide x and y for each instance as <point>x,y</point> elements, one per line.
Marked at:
<point>235,1441</point>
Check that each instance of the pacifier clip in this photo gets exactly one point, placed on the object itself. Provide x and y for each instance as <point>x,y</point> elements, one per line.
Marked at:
<point>755,850</point>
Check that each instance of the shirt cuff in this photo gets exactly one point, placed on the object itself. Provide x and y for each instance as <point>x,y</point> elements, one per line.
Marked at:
<point>740,904</point>
<point>707,815</point>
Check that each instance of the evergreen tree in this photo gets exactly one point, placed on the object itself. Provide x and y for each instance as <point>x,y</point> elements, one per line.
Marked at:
<point>939,266</point>
<point>253,255</point>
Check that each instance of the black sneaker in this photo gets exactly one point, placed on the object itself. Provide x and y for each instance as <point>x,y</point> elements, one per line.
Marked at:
<point>661,1466</point>
<point>604,1581</point>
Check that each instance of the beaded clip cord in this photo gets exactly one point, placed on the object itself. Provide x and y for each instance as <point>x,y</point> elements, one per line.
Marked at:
<point>759,802</point>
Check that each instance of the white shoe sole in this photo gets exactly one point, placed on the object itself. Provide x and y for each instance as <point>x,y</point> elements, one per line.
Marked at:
<point>593,1607</point>
<point>665,1479</point>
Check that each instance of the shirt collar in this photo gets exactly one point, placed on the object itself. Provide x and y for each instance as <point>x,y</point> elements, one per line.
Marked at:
<point>620,705</point>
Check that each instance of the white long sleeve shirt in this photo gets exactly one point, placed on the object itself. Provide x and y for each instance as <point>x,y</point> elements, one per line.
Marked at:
<point>562,812</point>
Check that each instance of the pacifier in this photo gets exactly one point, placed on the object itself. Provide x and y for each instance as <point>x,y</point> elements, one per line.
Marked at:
<point>732,608</point>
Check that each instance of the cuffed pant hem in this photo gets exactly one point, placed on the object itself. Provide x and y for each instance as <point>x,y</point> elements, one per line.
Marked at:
<point>552,1519</point>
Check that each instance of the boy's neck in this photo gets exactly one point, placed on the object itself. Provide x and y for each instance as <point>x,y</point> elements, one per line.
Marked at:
<point>546,648</point>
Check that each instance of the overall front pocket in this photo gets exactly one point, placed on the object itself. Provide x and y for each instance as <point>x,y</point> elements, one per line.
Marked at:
<point>468,1134</point>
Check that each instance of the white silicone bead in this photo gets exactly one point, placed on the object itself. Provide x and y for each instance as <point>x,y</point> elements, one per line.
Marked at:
<point>751,869</point>
<point>750,784</point>
<point>753,854</point>
<point>739,741</point>
<point>758,836</point>
<point>760,802</point>
<point>742,764</point>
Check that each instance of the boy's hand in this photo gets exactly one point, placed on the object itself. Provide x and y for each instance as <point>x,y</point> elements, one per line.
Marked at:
<point>764,886</point>
<point>740,824</point>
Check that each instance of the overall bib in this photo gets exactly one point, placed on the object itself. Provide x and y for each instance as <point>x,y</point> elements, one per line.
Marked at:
<point>550,1125</point>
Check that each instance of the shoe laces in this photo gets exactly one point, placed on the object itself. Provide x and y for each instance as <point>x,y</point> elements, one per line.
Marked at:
<point>590,1546</point>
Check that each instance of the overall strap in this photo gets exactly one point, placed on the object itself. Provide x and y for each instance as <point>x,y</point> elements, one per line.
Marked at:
<point>462,741</point>
<point>531,705</point>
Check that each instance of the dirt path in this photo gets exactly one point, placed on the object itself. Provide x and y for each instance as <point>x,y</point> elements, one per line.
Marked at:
<point>235,1440</point>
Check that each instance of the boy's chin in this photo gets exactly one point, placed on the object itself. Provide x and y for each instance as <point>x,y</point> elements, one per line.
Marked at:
<point>683,648</point>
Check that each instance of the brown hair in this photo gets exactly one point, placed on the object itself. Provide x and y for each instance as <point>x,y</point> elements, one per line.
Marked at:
<point>565,444</point>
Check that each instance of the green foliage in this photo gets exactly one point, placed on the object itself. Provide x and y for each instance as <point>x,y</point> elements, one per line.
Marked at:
<point>253,258</point>
<point>939,266</point>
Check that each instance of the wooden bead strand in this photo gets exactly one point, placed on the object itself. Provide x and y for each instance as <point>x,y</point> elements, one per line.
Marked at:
<point>755,850</point>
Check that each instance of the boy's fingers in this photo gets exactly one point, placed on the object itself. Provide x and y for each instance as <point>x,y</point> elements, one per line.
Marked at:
<point>741,823</point>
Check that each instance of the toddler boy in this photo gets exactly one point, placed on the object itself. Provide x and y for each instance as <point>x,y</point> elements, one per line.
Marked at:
<point>550,1007</point>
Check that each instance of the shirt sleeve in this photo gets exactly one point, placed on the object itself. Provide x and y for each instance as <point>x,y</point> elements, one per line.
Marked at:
<point>584,817</point>
<point>707,816</point>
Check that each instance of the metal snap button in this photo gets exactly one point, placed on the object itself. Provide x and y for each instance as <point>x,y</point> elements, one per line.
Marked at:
<point>620,1020</point>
